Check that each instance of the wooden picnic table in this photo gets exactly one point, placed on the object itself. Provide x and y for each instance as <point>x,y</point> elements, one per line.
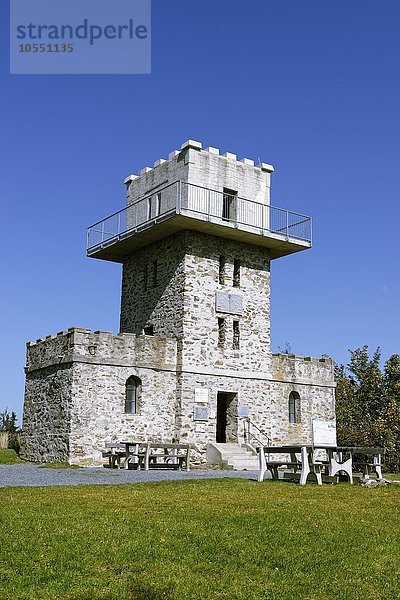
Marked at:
<point>154,455</point>
<point>308,463</point>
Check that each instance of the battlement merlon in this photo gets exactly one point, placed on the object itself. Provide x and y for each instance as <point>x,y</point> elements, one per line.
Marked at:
<point>101,347</point>
<point>200,190</point>
<point>303,369</point>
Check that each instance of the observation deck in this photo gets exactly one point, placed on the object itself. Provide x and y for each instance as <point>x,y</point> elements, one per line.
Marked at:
<point>181,205</point>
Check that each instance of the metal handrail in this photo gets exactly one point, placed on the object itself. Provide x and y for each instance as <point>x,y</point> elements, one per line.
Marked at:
<point>249,435</point>
<point>189,199</point>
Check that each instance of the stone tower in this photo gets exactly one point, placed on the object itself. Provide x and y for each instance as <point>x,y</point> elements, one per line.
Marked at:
<point>196,240</point>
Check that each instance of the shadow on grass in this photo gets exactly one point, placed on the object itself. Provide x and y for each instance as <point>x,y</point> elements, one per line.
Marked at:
<point>149,592</point>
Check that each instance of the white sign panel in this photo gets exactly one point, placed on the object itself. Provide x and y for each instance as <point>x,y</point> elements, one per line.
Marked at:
<point>228,303</point>
<point>243,411</point>
<point>324,433</point>
<point>201,394</point>
<point>200,413</point>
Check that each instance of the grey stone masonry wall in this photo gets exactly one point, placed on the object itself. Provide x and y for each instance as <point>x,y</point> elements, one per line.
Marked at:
<point>75,393</point>
<point>267,398</point>
<point>201,347</point>
<point>313,379</point>
<point>47,414</point>
<point>182,302</point>
<point>145,301</point>
<point>98,416</point>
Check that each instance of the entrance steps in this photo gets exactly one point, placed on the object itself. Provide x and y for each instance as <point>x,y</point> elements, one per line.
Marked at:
<point>232,457</point>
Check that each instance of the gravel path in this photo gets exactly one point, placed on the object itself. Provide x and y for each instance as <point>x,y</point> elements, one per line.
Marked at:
<point>32,475</point>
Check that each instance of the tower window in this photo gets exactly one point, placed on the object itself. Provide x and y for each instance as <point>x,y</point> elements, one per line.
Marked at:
<point>154,273</point>
<point>221,332</point>
<point>229,201</point>
<point>222,264</point>
<point>150,275</point>
<point>236,335</point>
<point>149,207</point>
<point>236,273</point>
<point>294,407</point>
<point>158,203</point>
<point>133,389</point>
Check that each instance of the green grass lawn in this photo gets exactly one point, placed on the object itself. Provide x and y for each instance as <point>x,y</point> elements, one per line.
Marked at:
<point>9,457</point>
<point>200,540</point>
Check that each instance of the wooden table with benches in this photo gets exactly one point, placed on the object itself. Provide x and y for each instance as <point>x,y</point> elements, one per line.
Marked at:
<point>152,455</point>
<point>303,461</point>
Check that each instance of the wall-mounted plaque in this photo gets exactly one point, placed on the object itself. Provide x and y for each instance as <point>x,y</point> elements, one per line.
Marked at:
<point>243,411</point>
<point>324,433</point>
<point>228,303</point>
<point>201,394</point>
<point>200,413</point>
<point>200,428</point>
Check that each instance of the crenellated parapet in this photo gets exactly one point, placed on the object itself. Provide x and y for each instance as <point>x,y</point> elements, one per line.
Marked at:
<point>79,345</point>
<point>302,369</point>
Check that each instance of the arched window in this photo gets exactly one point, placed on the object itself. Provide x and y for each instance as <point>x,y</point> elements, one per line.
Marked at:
<point>133,388</point>
<point>294,407</point>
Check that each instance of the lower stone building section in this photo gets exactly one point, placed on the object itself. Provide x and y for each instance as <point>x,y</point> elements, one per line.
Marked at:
<point>86,389</point>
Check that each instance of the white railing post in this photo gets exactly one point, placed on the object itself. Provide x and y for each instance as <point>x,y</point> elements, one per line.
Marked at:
<point>263,207</point>
<point>287,224</point>
<point>209,205</point>
<point>102,231</point>
<point>119,223</point>
<point>178,197</point>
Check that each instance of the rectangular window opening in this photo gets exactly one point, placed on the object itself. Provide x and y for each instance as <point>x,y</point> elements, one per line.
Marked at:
<point>236,335</point>
<point>236,273</point>
<point>222,264</point>
<point>229,201</point>
<point>148,330</point>
<point>149,207</point>
<point>221,332</point>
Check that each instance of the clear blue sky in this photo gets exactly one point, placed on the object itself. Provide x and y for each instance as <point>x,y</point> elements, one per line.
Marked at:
<point>309,86</point>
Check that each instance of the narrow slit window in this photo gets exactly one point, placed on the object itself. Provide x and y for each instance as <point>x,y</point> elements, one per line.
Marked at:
<point>154,273</point>
<point>149,207</point>
<point>236,273</point>
<point>221,332</point>
<point>158,203</point>
<point>236,335</point>
<point>133,388</point>
<point>294,407</point>
<point>222,265</point>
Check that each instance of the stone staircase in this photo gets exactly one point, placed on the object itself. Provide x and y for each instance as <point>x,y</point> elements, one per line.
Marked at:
<point>232,457</point>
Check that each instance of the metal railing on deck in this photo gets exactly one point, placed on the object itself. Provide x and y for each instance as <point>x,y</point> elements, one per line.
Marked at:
<point>199,203</point>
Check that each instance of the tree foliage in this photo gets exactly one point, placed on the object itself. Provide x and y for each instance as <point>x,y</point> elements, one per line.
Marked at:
<point>8,424</point>
<point>368,403</point>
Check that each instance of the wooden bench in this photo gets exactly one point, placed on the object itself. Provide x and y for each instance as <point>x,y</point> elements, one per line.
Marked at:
<point>372,463</point>
<point>114,453</point>
<point>167,456</point>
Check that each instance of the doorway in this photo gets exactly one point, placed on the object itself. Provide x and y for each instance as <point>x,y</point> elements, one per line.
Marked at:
<point>227,421</point>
